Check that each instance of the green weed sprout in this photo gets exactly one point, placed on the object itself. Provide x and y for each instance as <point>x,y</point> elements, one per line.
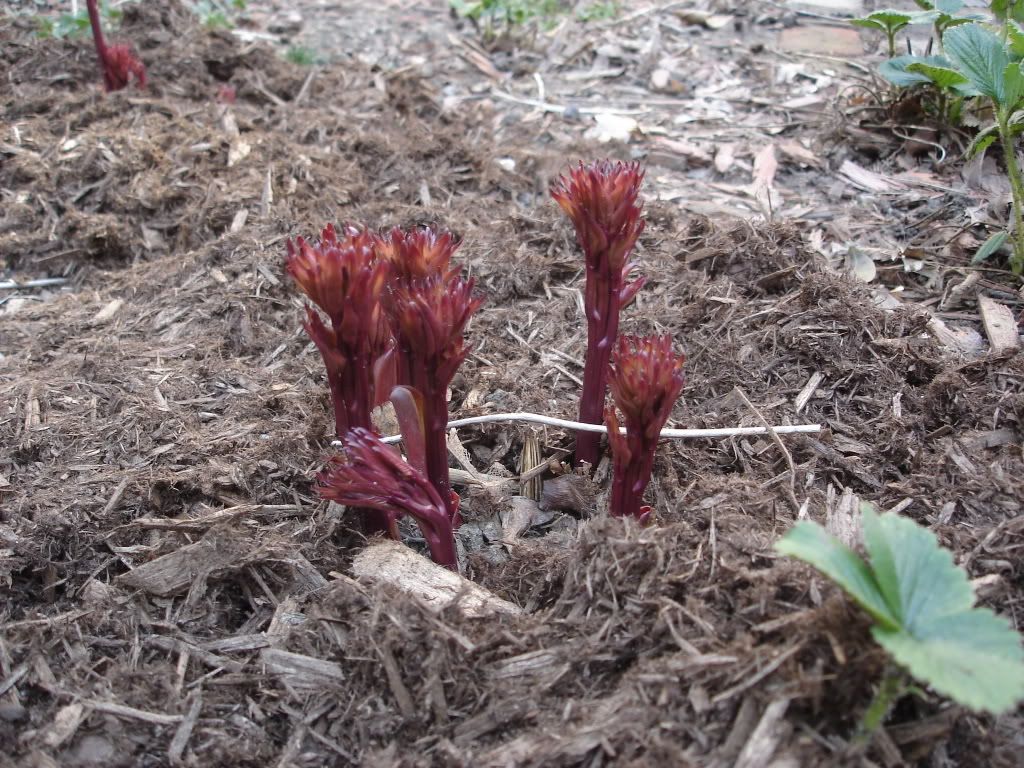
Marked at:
<point>890,22</point>
<point>924,613</point>
<point>990,71</point>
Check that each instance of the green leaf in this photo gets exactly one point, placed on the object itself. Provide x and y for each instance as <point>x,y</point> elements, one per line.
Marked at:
<point>990,246</point>
<point>1015,37</point>
<point>980,55</point>
<point>1013,84</point>
<point>886,19</point>
<point>925,605</point>
<point>982,141</point>
<point>974,658</point>
<point>942,77</point>
<point>898,72</point>
<point>916,576</point>
<point>811,543</point>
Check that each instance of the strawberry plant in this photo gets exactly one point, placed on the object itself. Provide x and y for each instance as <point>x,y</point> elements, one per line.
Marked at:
<point>118,63</point>
<point>646,378</point>
<point>992,71</point>
<point>924,614</point>
<point>601,201</point>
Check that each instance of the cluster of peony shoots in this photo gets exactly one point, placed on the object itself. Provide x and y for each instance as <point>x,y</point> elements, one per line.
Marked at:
<point>395,310</point>
<point>391,312</point>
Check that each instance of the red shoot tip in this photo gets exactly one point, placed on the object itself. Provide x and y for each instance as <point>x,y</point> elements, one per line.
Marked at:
<point>646,378</point>
<point>601,199</point>
<point>417,253</point>
<point>346,281</point>
<point>372,475</point>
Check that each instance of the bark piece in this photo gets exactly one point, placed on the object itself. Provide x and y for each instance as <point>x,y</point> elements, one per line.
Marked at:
<point>389,562</point>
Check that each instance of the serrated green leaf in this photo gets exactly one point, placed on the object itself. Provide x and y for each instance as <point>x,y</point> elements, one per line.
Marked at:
<point>980,55</point>
<point>896,70</point>
<point>982,141</point>
<point>1015,37</point>
<point>811,543</point>
<point>924,605</point>
<point>890,18</point>
<point>916,576</point>
<point>990,246</point>
<point>868,24</point>
<point>942,77</point>
<point>973,657</point>
<point>1013,84</point>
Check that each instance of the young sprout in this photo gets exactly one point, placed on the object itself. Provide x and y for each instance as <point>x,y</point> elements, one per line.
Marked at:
<point>118,62</point>
<point>601,201</point>
<point>646,378</point>
<point>346,281</point>
<point>372,476</point>
<point>428,317</point>
<point>417,253</point>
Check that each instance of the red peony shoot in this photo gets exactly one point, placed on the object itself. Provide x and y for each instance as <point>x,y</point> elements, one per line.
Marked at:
<point>118,62</point>
<point>346,281</point>
<point>428,317</point>
<point>645,378</point>
<point>417,253</point>
<point>601,201</point>
<point>372,476</point>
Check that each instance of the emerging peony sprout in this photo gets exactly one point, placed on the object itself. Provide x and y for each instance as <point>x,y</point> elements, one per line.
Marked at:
<point>417,253</point>
<point>428,317</point>
<point>372,475</point>
<point>346,281</point>
<point>646,378</point>
<point>118,62</point>
<point>601,200</point>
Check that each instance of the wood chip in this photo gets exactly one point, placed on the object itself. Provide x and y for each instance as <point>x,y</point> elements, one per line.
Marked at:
<point>770,731</point>
<point>390,562</point>
<point>304,673</point>
<point>1000,325</point>
<point>175,572</point>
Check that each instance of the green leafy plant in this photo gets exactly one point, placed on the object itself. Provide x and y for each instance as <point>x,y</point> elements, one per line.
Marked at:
<point>215,14</point>
<point>924,613</point>
<point>990,71</point>
<point>489,14</point>
<point>301,55</point>
<point>890,22</point>
<point>77,24</point>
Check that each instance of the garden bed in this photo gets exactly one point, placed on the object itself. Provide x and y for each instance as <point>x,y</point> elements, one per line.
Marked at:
<point>167,402</point>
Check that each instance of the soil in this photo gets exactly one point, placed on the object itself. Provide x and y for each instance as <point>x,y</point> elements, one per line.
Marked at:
<point>165,397</point>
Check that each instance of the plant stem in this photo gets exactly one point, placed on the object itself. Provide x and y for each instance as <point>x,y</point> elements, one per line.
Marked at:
<point>891,34</point>
<point>1016,187</point>
<point>97,36</point>
<point>890,690</point>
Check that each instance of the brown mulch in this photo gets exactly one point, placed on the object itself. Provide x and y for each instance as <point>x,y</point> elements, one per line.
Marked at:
<point>169,400</point>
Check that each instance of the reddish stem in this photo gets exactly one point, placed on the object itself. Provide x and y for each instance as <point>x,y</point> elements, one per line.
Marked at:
<point>101,44</point>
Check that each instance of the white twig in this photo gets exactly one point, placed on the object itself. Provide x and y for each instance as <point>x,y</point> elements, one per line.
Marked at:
<point>42,282</point>
<point>666,434</point>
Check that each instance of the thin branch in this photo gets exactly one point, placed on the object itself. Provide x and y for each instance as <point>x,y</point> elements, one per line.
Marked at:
<point>666,434</point>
